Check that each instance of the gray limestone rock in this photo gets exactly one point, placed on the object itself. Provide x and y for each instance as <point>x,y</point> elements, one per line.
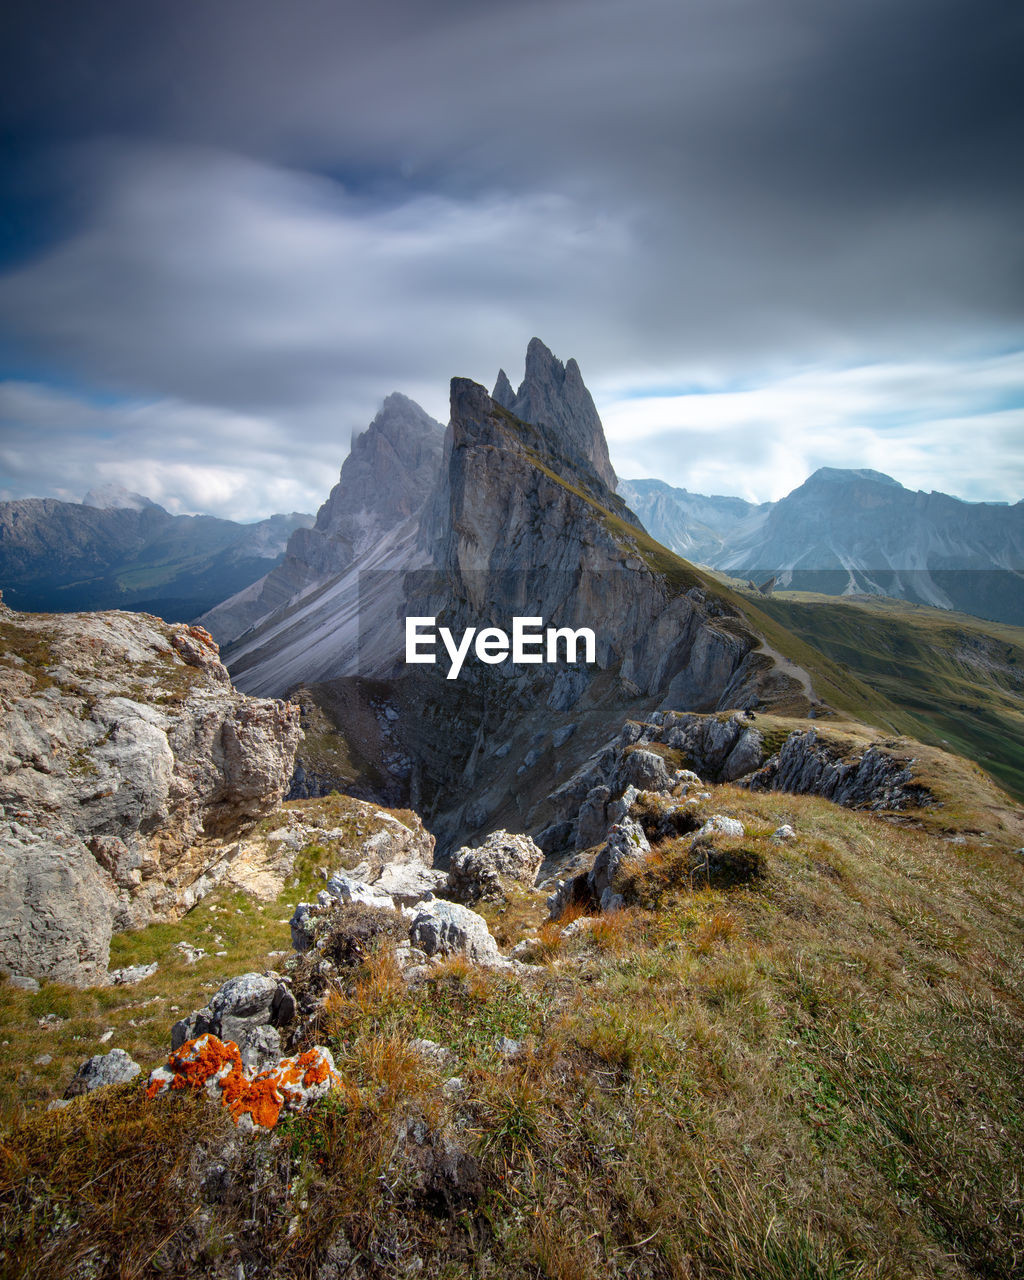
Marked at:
<point>21,981</point>
<point>718,825</point>
<point>645,770</point>
<point>408,884</point>
<point>811,764</point>
<point>502,860</point>
<point>552,396</point>
<point>444,928</point>
<point>593,822</point>
<point>248,1010</point>
<point>115,1067</point>
<point>121,741</point>
<point>626,843</point>
<point>132,974</point>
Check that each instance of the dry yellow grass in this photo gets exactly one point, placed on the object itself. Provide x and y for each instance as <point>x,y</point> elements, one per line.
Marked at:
<point>815,1072</point>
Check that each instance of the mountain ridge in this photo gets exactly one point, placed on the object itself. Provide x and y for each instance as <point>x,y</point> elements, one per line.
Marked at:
<point>58,556</point>
<point>857,531</point>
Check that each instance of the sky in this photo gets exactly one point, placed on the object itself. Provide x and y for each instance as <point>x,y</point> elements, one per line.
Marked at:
<point>775,234</point>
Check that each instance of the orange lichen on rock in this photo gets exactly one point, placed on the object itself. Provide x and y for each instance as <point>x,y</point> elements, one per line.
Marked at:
<point>211,1064</point>
<point>317,1068</point>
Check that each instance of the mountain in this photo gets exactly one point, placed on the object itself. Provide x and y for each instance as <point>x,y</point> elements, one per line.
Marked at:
<point>119,550</point>
<point>368,521</point>
<point>705,979</point>
<point>553,398</point>
<point>519,523</point>
<point>693,525</point>
<point>857,531</point>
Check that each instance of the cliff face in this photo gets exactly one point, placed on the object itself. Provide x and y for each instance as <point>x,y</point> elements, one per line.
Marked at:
<point>123,747</point>
<point>517,529</point>
<point>553,397</point>
<point>391,468</point>
<point>521,532</point>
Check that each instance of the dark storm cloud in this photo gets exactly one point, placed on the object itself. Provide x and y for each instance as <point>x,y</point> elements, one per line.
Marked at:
<point>287,211</point>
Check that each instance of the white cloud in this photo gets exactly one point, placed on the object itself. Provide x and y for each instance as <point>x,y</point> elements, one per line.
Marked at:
<point>953,426</point>
<point>189,458</point>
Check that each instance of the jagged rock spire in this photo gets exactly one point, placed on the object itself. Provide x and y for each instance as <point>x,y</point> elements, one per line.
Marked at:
<point>554,396</point>
<point>503,393</point>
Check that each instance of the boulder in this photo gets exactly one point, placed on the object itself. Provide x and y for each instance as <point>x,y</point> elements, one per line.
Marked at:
<point>408,883</point>
<point>445,928</point>
<point>504,859</point>
<point>646,770</point>
<point>718,825</point>
<point>247,1011</point>
<point>115,1067</point>
<point>592,823</point>
<point>256,1098</point>
<point>626,843</point>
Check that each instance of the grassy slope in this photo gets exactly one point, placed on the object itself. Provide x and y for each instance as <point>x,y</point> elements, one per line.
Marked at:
<point>960,679</point>
<point>818,1073</point>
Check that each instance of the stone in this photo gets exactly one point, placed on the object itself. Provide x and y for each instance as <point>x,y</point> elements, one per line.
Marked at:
<point>115,1067</point>
<point>346,889</point>
<point>582,924</point>
<point>626,843</point>
<point>446,928</point>
<point>408,883</point>
<point>619,809</point>
<point>503,860</point>
<point>810,764</point>
<point>22,981</point>
<point>246,1011</point>
<point>718,825</point>
<point>120,750</point>
<point>785,832</point>
<point>132,974</point>
<point>256,1099</point>
<point>525,950</point>
<point>509,1049</point>
<point>434,1054</point>
<point>592,821</point>
<point>646,770</point>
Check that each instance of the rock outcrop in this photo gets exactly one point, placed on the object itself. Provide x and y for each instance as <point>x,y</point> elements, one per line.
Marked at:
<point>248,1010</point>
<point>871,778</point>
<point>115,1067</point>
<point>255,1100</point>
<point>122,747</point>
<point>503,860</point>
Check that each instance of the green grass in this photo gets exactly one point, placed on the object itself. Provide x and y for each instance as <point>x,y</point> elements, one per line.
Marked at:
<point>958,681</point>
<point>815,1073</point>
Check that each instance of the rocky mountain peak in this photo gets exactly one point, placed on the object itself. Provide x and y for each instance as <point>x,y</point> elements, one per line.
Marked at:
<point>503,393</point>
<point>111,497</point>
<point>553,396</point>
<point>843,475</point>
<point>389,467</point>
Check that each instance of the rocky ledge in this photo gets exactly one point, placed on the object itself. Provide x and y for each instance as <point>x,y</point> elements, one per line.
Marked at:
<point>123,748</point>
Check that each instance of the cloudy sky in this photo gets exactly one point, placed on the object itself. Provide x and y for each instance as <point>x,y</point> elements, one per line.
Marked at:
<point>776,234</point>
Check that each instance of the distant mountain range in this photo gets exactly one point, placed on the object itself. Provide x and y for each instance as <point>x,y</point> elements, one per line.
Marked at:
<point>119,550</point>
<point>852,532</point>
